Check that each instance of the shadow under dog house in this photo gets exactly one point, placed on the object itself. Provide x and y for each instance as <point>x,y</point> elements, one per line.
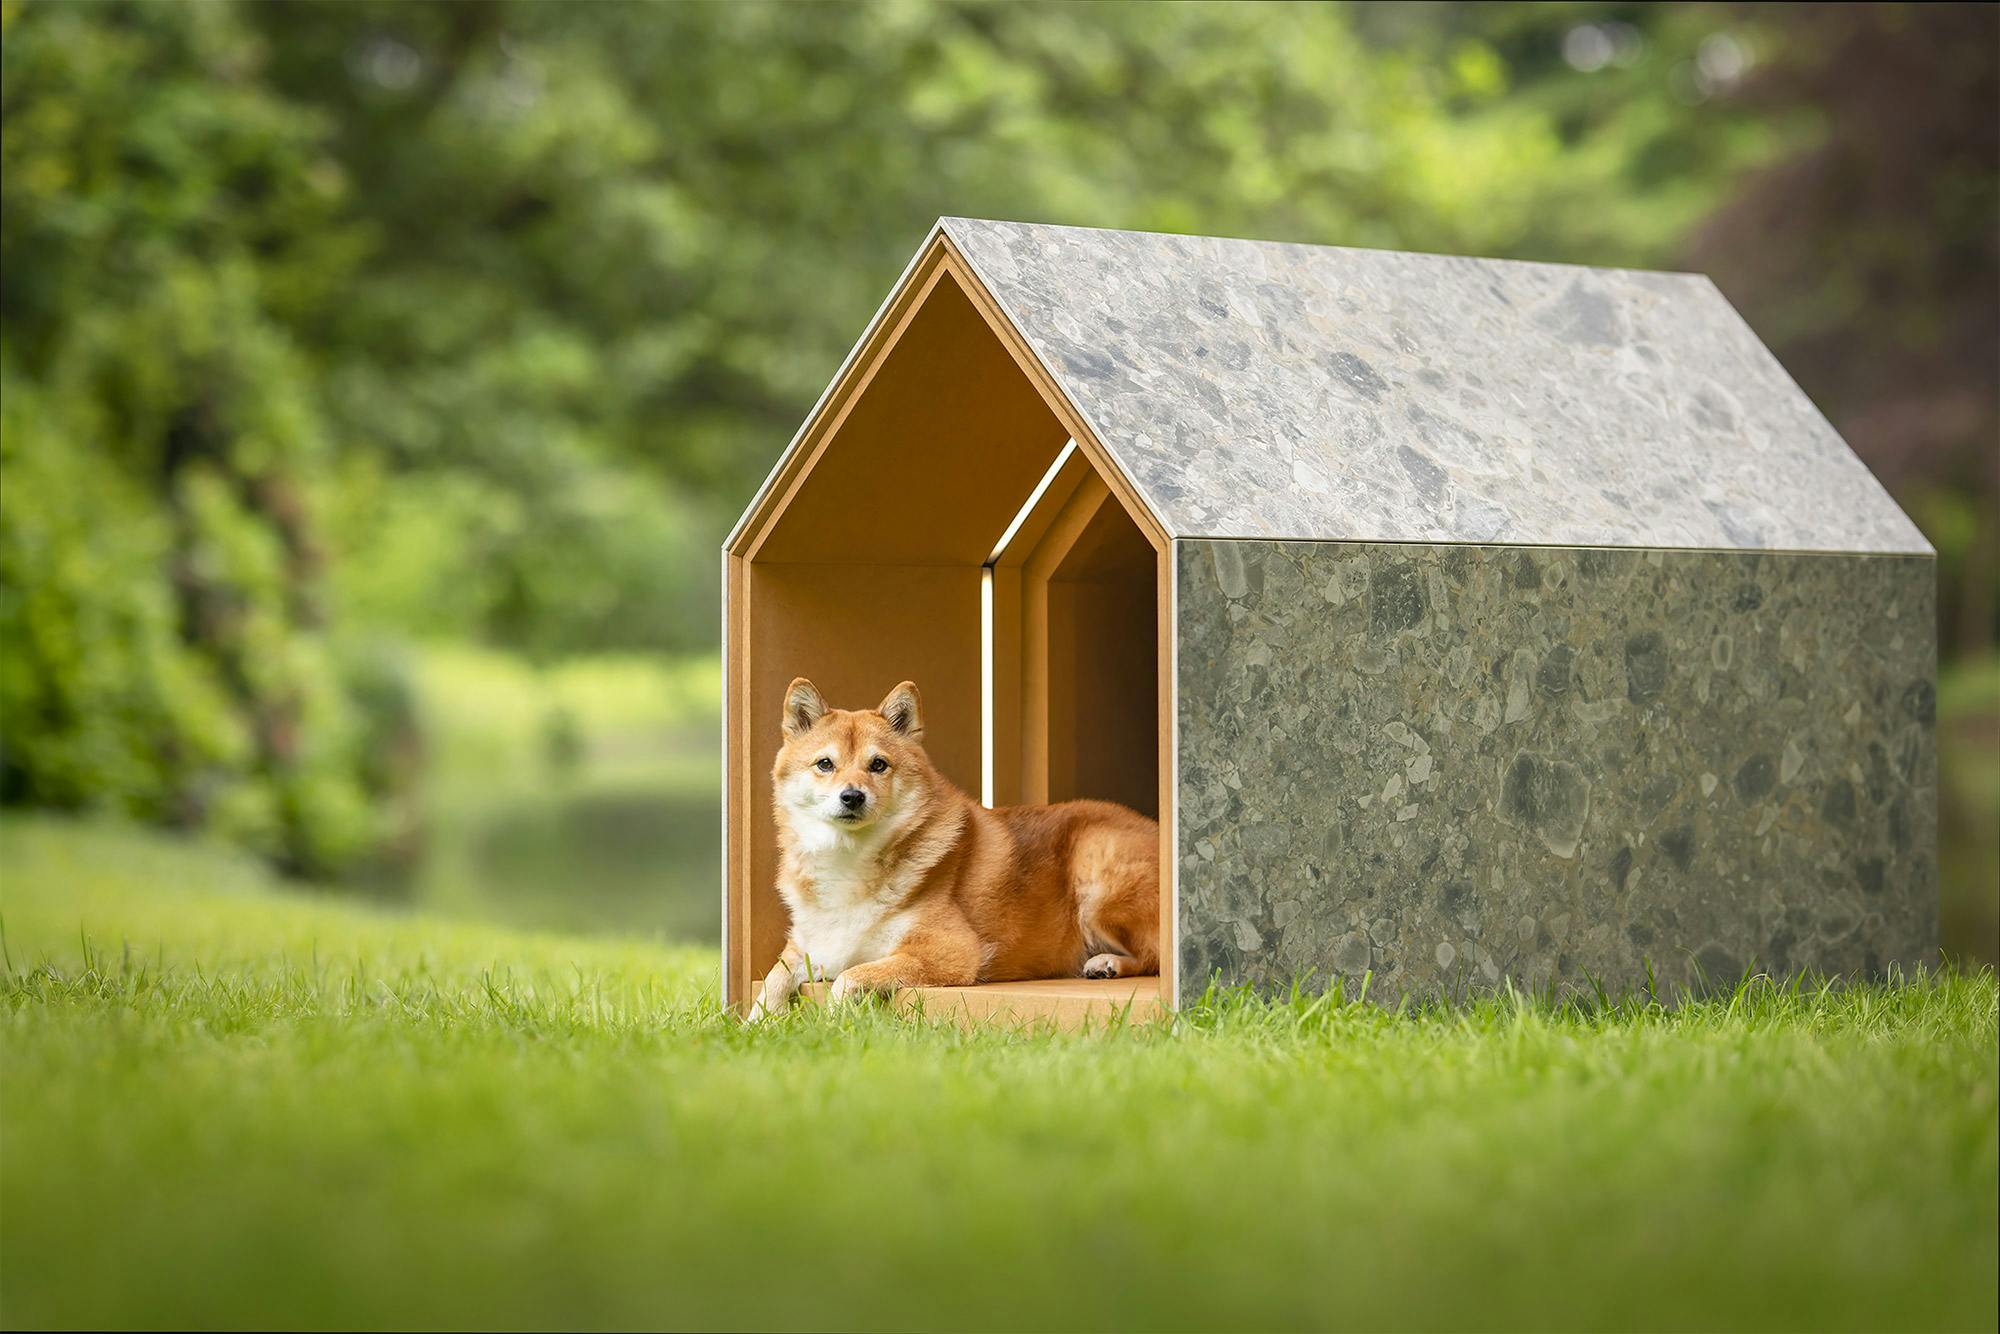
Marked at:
<point>1460,620</point>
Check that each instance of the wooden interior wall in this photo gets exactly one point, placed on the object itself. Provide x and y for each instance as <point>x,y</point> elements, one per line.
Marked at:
<point>1005,591</point>
<point>932,461</point>
<point>856,630</point>
<point>1104,693</point>
<point>1103,672</point>
<point>1055,535</point>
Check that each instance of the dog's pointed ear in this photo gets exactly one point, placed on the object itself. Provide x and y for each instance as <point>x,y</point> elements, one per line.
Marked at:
<point>904,708</point>
<point>803,706</point>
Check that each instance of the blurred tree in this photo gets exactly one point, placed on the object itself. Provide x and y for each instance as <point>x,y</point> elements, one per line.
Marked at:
<point>634,240</point>
<point>324,324</point>
<point>1871,261</point>
<point>159,563</point>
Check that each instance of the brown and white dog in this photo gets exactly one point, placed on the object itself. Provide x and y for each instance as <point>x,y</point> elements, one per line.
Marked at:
<point>896,878</point>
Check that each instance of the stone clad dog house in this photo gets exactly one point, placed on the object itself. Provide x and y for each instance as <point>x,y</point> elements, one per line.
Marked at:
<point>1460,620</point>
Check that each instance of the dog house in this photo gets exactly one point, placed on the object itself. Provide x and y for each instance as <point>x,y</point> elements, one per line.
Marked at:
<point>1460,620</point>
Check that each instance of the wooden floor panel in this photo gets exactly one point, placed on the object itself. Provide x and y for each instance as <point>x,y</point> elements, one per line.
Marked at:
<point>1065,1002</point>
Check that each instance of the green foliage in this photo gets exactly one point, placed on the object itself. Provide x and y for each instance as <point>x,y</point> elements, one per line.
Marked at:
<point>101,700</point>
<point>165,647</point>
<point>614,251</point>
<point>225,1107</point>
<point>368,322</point>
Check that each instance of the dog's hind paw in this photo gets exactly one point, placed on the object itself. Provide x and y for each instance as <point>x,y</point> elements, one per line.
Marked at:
<point>1105,965</point>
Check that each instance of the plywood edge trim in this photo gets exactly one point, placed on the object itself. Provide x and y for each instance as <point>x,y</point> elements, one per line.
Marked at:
<point>725,725</point>
<point>1497,544</point>
<point>737,793</point>
<point>939,257</point>
<point>827,426</point>
<point>1134,500</point>
<point>752,513</point>
<point>854,375</point>
<point>1169,651</point>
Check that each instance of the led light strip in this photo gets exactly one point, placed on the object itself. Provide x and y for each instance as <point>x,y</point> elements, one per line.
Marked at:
<point>986,686</point>
<point>986,664</point>
<point>1034,499</point>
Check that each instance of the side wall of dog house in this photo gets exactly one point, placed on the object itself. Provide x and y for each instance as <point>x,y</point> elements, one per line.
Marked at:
<point>1445,766</point>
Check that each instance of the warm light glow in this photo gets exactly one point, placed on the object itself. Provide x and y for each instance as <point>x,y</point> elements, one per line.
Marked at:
<point>986,664</point>
<point>1034,499</point>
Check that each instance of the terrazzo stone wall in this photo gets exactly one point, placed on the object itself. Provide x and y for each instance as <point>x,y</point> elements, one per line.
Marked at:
<point>1456,764</point>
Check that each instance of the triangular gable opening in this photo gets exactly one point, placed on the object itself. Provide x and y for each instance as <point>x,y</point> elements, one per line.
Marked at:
<point>875,554</point>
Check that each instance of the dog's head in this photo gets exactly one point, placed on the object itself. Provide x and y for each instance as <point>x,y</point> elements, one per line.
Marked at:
<point>851,769</point>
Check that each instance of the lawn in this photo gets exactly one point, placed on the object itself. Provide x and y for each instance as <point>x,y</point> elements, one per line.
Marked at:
<point>223,1103</point>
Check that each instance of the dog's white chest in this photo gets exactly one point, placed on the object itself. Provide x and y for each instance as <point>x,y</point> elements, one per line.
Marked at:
<point>836,939</point>
<point>847,921</point>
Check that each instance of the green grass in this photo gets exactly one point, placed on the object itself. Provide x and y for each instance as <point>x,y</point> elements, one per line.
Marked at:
<point>221,1104</point>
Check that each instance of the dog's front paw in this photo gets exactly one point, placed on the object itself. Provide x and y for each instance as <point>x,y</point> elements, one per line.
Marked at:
<point>852,985</point>
<point>770,1003</point>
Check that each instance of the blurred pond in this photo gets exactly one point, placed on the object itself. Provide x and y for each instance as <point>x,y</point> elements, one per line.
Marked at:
<point>584,796</point>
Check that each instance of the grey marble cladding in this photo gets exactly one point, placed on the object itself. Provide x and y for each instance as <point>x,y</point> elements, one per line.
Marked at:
<point>1254,389</point>
<point>1448,765</point>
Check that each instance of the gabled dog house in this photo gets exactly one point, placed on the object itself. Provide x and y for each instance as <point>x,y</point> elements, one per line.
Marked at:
<point>1460,620</point>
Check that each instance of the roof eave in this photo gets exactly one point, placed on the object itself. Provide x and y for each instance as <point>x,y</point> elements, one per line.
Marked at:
<point>938,249</point>
<point>854,354</point>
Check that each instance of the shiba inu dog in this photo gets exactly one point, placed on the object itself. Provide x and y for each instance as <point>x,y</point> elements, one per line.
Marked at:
<point>896,878</point>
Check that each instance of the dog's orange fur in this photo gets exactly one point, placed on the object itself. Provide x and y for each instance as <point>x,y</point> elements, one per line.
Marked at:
<point>920,885</point>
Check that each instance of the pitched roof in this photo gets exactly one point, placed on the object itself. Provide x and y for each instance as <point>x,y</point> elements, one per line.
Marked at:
<point>1254,389</point>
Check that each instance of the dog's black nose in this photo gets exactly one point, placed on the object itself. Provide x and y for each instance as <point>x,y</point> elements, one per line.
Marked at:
<point>853,798</point>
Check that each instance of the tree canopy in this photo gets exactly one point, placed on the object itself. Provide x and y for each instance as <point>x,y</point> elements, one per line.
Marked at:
<point>327,326</point>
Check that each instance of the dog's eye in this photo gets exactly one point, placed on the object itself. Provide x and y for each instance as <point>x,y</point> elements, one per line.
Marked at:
<point>878,765</point>
<point>824,765</point>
